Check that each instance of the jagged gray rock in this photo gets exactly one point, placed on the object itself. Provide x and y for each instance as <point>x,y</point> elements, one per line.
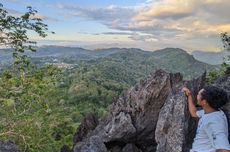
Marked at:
<point>88,124</point>
<point>8,146</point>
<point>152,112</point>
<point>93,144</point>
<point>172,125</point>
<point>174,119</point>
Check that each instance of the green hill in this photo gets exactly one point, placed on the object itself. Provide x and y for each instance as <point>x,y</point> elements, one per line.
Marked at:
<point>98,81</point>
<point>95,79</point>
<point>130,65</point>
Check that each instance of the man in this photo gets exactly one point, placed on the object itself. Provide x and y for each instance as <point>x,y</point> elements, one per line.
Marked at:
<point>212,130</point>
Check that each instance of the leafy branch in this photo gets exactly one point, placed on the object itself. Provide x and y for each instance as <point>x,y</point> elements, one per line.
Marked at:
<point>14,33</point>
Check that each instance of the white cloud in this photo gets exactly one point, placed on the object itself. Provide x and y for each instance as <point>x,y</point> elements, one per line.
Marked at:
<point>163,21</point>
<point>174,9</point>
<point>106,15</point>
<point>37,15</point>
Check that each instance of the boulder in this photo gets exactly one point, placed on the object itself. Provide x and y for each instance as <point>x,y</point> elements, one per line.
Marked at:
<point>93,144</point>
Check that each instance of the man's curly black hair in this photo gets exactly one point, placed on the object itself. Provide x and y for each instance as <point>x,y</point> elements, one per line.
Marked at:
<point>215,97</point>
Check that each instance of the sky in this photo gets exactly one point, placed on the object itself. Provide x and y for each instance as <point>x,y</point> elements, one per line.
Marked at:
<point>146,24</point>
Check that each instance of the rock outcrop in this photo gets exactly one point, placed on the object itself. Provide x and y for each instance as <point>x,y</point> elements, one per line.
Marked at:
<point>151,116</point>
<point>8,146</point>
<point>175,129</point>
<point>88,124</point>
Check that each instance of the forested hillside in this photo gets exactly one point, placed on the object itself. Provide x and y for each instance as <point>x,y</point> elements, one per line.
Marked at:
<point>76,82</point>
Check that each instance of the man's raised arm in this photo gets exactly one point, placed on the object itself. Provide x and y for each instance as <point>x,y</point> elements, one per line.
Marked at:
<point>191,105</point>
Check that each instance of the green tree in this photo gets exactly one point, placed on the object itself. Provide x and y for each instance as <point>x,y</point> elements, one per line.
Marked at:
<point>14,35</point>
<point>226,40</point>
<point>214,74</point>
<point>14,32</point>
<point>26,90</point>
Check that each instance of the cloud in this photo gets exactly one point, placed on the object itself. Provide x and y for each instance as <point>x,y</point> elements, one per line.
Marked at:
<point>174,9</point>
<point>116,33</point>
<point>144,37</point>
<point>45,18</point>
<point>183,19</point>
<point>162,21</point>
<point>217,10</point>
<point>37,15</point>
<point>111,14</point>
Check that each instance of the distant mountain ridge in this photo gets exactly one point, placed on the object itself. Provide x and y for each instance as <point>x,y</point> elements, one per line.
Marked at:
<point>126,61</point>
<point>139,63</point>
<point>61,51</point>
<point>213,58</point>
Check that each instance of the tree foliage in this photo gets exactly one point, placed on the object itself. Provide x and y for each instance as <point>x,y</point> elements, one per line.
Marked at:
<point>214,74</point>
<point>25,110</point>
<point>26,91</point>
<point>14,32</point>
<point>14,35</point>
<point>34,111</point>
<point>226,40</point>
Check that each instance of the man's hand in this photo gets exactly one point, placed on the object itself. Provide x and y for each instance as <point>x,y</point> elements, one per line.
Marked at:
<point>191,106</point>
<point>186,91</point>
